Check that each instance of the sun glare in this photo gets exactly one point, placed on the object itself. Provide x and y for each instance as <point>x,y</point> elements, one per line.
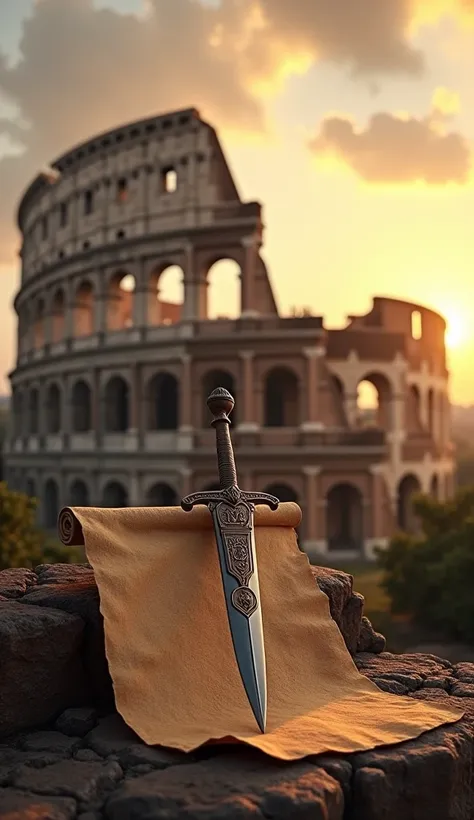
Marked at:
<point>456,330</point>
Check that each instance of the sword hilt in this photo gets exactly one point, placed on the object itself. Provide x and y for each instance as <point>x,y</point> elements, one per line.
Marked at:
<point>221,404</point>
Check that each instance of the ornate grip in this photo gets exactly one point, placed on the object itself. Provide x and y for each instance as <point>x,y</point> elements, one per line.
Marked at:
<point>221,404</point>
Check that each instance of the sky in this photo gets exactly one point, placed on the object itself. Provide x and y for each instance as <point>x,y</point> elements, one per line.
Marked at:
<point>352,122</point>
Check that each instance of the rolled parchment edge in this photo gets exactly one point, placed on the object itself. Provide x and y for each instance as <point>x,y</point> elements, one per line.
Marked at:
<point>69,529</point>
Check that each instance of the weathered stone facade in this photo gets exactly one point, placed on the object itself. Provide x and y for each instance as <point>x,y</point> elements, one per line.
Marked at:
<point>110,382</point>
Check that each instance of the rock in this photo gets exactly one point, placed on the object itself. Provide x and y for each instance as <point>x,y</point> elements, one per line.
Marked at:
<point>15,582</point>
<point>389,685</point>
<point>87,755</point>
<point>50,742</point>
<point>463,690</point>
<point>369,639</point>
<point>15,805</point>
<point>350,621</point>
<point>71,778</point>
<point>77,722</point>
<point>157,758</point>
<point>78,595</point>
<point>111,736</point>
<point>231,786</point>
<point>464,672</point>
<point>345,605</point>
<point>64,573</point>
<point>41,668</point>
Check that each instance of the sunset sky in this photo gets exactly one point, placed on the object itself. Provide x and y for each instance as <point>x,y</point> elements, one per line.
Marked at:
<point>351,120</point>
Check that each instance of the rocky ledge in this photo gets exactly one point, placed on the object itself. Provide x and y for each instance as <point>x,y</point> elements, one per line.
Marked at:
<point>65,753</point>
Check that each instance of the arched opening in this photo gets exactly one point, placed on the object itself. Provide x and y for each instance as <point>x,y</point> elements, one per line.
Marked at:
<point>431,410</point>
<point>84,310</point>
<point>163,402</point>
<point>30,488</point>
<point>281,398</point>
<point>166,295</point>
<point>116,405</point>
<point>344,517</point>
<point>407,520</point>
<point>53,407</point>
<point>223,290</point>
<point>374,395</point>
<point>81,407</point>
<point>24,330</point>
<point>114,495</point>
<point>434,488</point>
<point>51,504</point>
<point>33,412</point>
<point>161,495</point>
<point>120,300</point>
<point>211,381</point>
<point>79,494</point>
<point>282,491</point>
<point>413,415</point>
<point>39,325</point>
<point>58,316</point>
<point>337,398</point>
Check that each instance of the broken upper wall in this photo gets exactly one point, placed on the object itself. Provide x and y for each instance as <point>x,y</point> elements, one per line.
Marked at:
<point>164,178</point>
<point>394,326</point>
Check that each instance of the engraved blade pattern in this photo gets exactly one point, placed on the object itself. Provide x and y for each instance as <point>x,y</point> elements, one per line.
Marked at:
<point>232,513</point>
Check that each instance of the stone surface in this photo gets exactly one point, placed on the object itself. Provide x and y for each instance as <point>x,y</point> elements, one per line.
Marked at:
<point>40,664</point>
<point>84,762</point>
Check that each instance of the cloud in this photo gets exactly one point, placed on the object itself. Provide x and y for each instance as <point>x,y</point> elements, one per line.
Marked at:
<point>398,149</point>
<point>83,70</point>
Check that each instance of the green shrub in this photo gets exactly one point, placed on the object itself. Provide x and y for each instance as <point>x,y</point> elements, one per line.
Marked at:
<point>430,577</point>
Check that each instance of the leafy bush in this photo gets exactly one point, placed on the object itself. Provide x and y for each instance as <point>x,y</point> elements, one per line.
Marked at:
<point>430,577</point>
<point>22,542</point>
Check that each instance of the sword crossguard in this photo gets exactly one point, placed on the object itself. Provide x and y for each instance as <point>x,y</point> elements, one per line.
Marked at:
<point>230,495</point>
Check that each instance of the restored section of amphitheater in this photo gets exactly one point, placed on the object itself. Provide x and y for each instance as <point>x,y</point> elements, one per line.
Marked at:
<point>110,380</point>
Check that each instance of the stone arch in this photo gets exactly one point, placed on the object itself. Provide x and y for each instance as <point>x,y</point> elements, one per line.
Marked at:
<point>161,495</point>
<point>435,487</point>
<point>163,402</point>
<point>120,300</point>
<point>53,409</point>
<point>408,487</point>
<point>39,322</point>
<point>84,309</point>
<point>374,396</point>
<point>413,417</point>
<point>210,381</point>
<point>224,289</point>
<point>344,517</point>
<point>117,409</point>
<point>431,409</point>
<point>282,399</point>
<point>79,494</point>
<point>81,401</point>
<point>284,492</point>
<point>33,412</point>
<point>58,316</point>
<point>114,494</point>
<point>50,504</point>
<point>165,295</point>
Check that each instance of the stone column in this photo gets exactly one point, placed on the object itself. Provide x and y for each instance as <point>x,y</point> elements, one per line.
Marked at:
<point>100,304</point>
<point>248,304</point>
<point>186,481</point>
<point>350,408</point>
<point>313,357</point>
<point>135,415</point>
<point>247,412</point>
<point>140,297</point>
<point>134,490</point>
<point>186,396</point>
<point>98,410</point>
<point>192,304</point>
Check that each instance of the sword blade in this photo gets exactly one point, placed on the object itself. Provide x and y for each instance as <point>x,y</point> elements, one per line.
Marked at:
<point>244,612</point>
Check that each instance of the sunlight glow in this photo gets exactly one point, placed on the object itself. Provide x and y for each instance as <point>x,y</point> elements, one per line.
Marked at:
<point>457,333</point>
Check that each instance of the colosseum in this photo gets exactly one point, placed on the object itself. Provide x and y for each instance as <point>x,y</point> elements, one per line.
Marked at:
<point>109,387</point>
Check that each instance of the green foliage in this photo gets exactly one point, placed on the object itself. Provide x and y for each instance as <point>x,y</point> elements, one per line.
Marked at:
<point>430,576</point>
<point>22,542</point>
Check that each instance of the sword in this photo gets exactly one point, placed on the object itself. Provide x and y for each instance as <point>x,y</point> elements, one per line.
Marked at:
<point>232,511</point>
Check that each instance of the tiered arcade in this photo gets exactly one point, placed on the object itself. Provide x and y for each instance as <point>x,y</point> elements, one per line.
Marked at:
<point>110,382</point>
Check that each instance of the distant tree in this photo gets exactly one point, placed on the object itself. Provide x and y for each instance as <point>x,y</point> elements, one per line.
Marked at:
<point>431,576</point>
<point>22,542</point>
